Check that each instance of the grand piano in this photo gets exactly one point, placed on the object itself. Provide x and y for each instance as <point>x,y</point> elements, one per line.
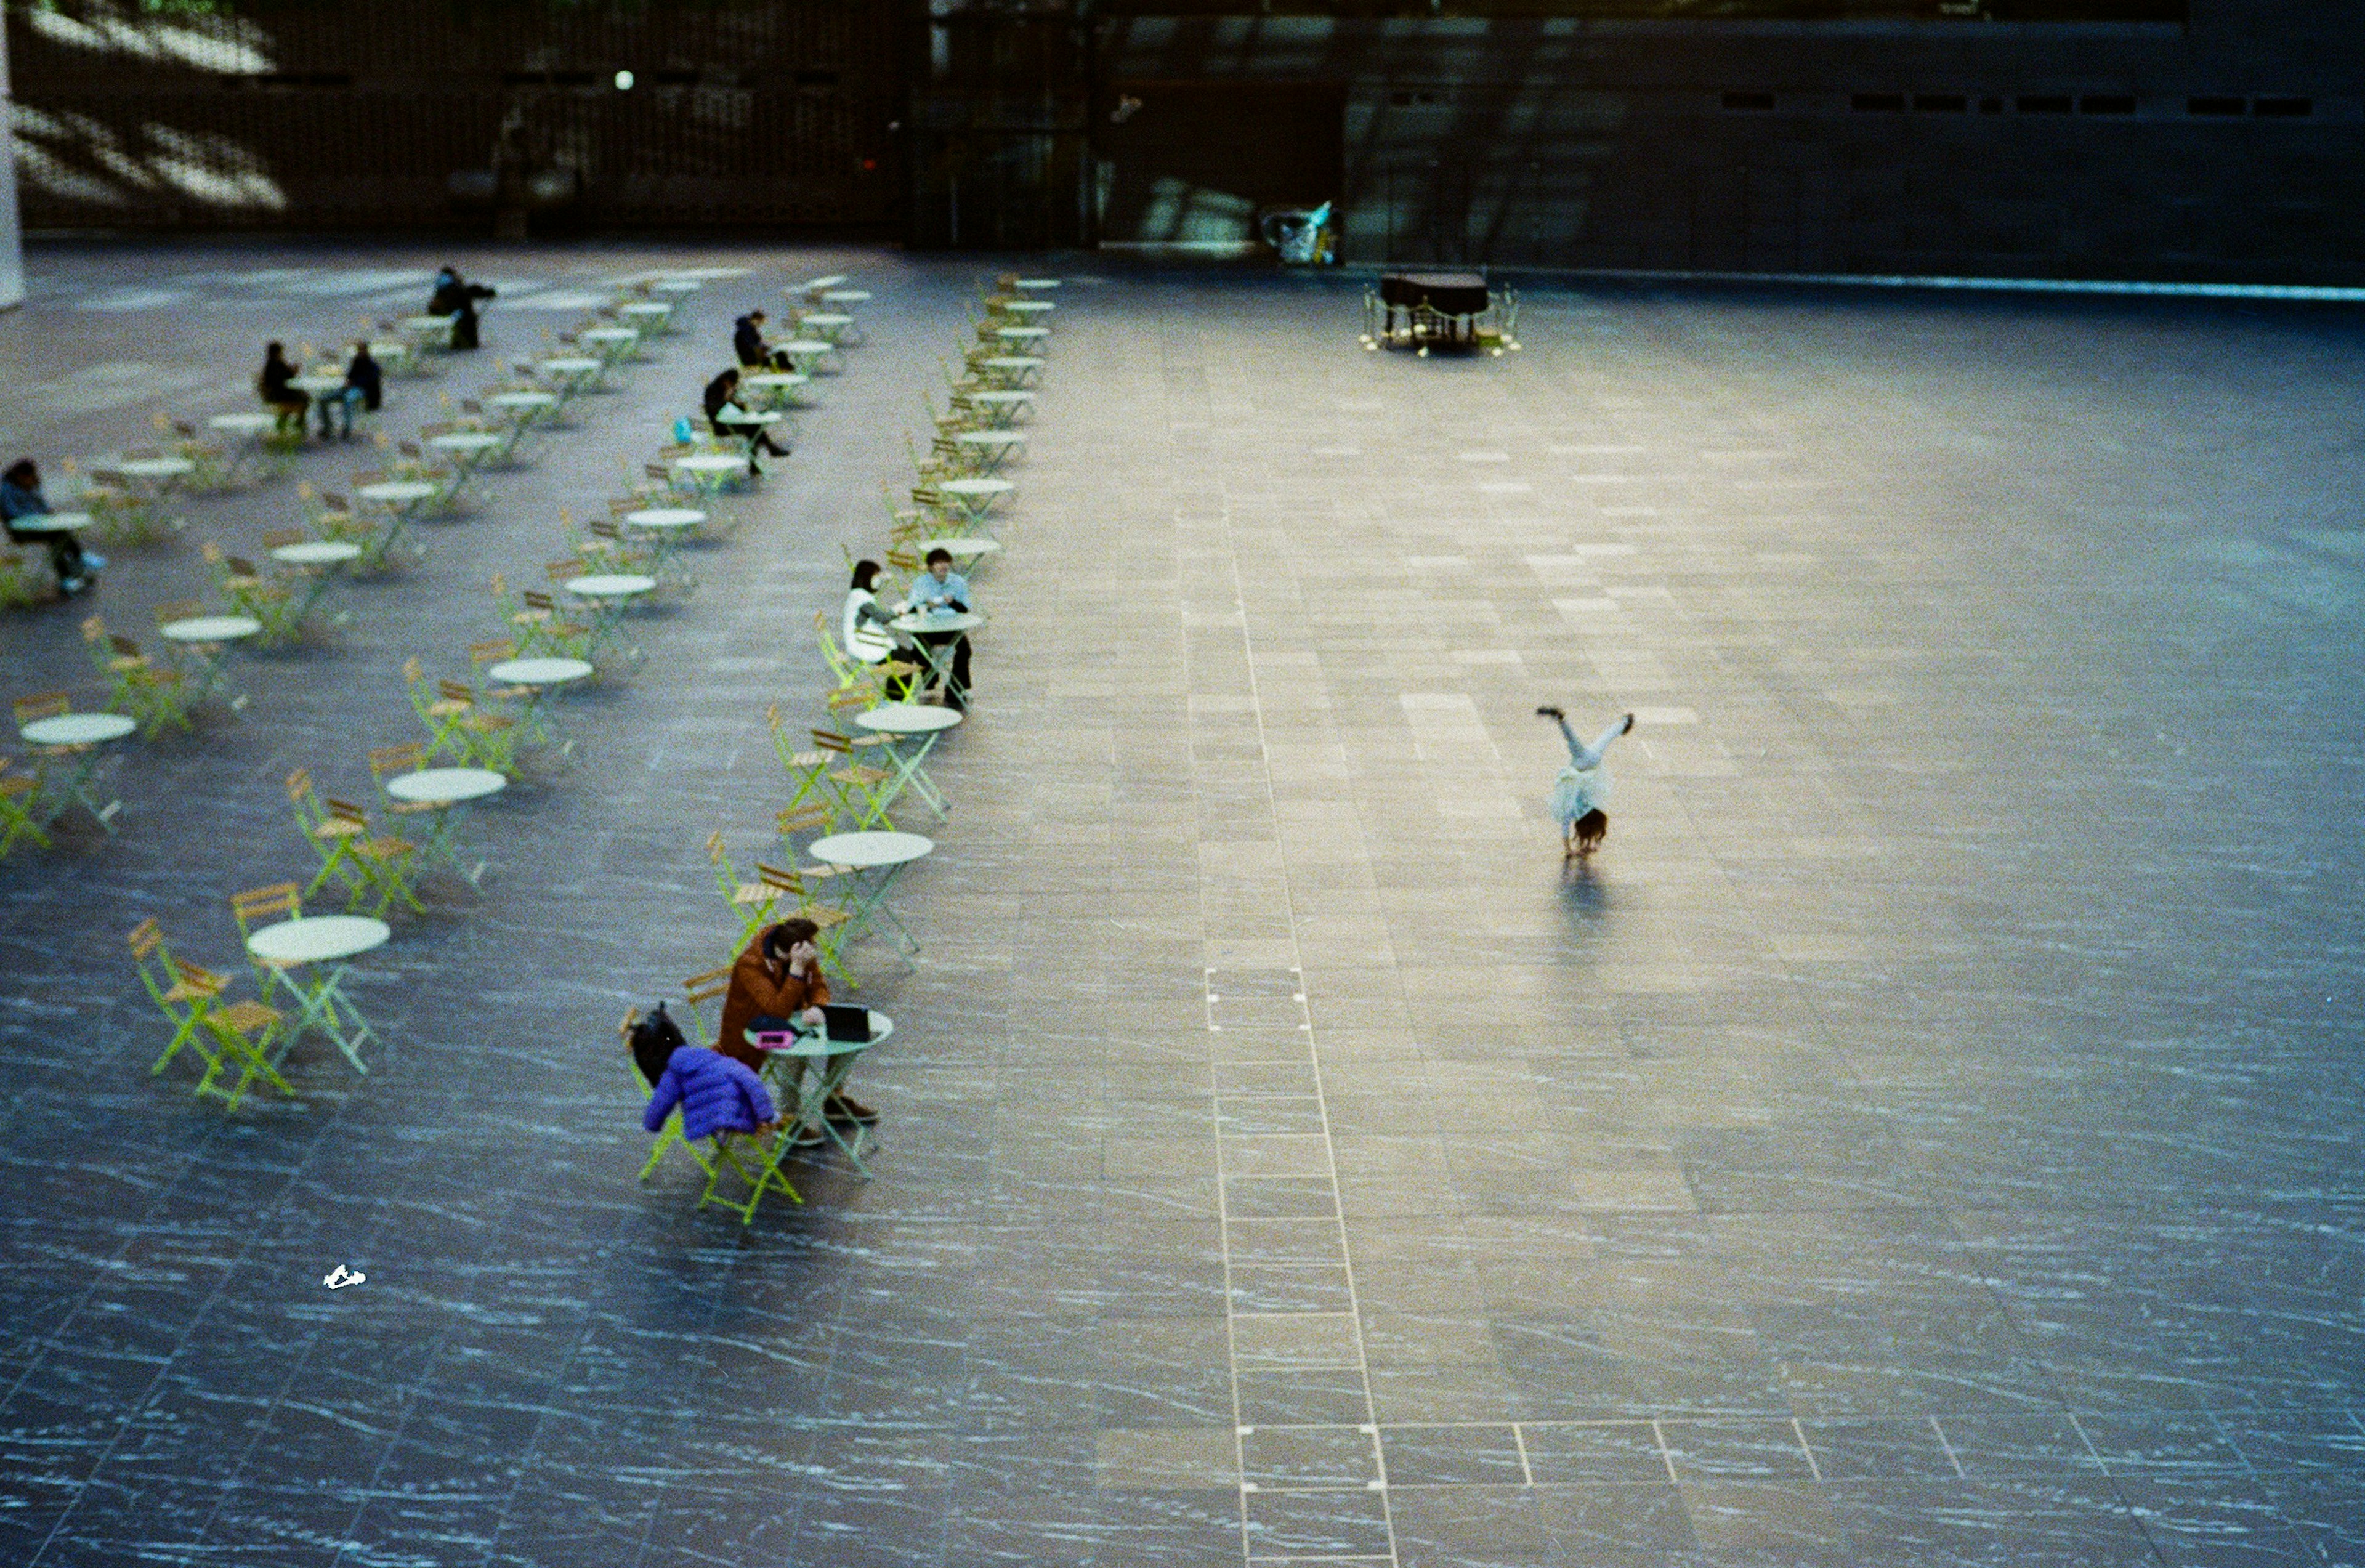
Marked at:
<point>1425,310</point>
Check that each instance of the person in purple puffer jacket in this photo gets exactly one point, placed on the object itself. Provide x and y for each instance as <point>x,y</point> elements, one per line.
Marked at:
<point>716,1095</point>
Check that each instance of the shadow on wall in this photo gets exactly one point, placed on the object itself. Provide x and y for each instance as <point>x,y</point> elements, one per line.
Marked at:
<point>73,159</point>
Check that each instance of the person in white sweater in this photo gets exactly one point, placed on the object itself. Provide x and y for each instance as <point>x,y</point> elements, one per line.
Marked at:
<point>1583,785</point>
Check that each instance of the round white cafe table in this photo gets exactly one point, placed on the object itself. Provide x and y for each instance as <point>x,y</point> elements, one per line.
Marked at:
<point>967,547</point>
<point>990,441</point>
<point>975,494</point>
<point>881,855</point>
<point>815,284</point>
<point>445,786</point>
<point>570,365</point>
<point>678,286</point>
<point>712,463</point>
<point>205,628</point>
<point>648,309</point>
<point>158,467</point>
<point>319,939</point>
<point>426,323</point>
<point>1038,282</point>
<point>539,673</point>
<point>78,728</point>
<point>804,346</point>
<point>908,719</point>
<point>317,552</point>
<point>845,297</point>
<point>441,792</point>
<point>1008,398</point>
<point>319,383</point>
<point>932,623</point>
<point>523,400</point>
<point>828,320</point>
<point>749,419</point>
<point>611,585</point>
<point>322,939</point>
<point>609,335</point>
<point>52,522</point>
<point>393,492</point>
<point>771,379</point>
<point>870,851</point>
<point>241,424</point>
<point>665,519</point>
<point>1028,307</point>
<point>1022,334</point>
<point>466,441</point>
<point>707,274</point>
<point>1014,362</point>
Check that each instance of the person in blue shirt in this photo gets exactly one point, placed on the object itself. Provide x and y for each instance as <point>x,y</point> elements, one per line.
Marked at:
<point>20,497</point>
<point>364,387</point>
<point>941,590</point>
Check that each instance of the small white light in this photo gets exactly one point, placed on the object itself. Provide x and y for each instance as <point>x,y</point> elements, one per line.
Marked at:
<point>623,81</point>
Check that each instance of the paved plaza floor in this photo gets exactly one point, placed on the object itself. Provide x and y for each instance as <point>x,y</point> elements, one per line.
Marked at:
<point>1926,1133</point>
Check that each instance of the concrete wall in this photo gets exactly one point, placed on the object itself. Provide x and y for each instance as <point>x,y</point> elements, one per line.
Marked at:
<point>12,238</point>
<point>358,114</point>
<point>2047,150</point>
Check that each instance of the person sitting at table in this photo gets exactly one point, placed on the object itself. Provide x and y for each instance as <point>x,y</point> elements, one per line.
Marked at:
<point>722,393</point>
<point>778,985</point>
<point>364,387</point>
<point>747,342</point>
<point>941,590</point>
<point>457,300</point>
<point>276,385</point>
<point>20,497</point>
<point>716,1094</point>
<point>862,627</point>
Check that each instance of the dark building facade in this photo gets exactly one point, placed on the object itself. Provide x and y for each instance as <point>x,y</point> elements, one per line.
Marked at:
<point>2155,139</point>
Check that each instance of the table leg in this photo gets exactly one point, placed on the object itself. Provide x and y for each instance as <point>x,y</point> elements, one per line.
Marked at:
<point>318,1005</point>
<point>869,905</point>
<point>910,774</point>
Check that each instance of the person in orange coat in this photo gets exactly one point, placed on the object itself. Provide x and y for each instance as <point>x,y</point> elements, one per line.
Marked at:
<point>777,984</point>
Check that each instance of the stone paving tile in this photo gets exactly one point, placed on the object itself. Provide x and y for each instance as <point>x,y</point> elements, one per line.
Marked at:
<point>1926,1131</point>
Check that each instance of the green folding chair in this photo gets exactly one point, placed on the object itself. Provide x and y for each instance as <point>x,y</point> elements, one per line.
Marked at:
<point>183,993</point>
<point>670,1137</point>
<point>17,790</point>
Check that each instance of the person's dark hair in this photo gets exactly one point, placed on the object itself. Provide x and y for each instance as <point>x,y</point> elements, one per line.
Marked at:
<point>22,472</point>
<point>780,938</point>
<point>940,555</point>
<point>756,314</point>
<point>274,350</point>
<point>730,374</point>
<point>865,574</point>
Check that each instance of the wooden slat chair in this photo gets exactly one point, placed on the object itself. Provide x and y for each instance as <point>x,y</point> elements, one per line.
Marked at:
<point>808,768</point>
<point>388,864</point>
<point>238,1036</point>
<point>859,784</point>
<point>330,833</point>
<point>755,1159</point>
<point>388,760</point>
<point>264,906</point>
<point>23,583</point>
<point>243,1033</point>
<point>248,592</point>
<point>439,714</point>
<point>139,688</point>
<point>669,1136</point>
<point>488,739</point>
<point>16,793</point>
<point>751,902</point>
<point>183,993</point>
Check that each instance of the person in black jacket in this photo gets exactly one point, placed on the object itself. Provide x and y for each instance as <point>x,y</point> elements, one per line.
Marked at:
<point>747,342</point>
<point>722,393</point>
<point>364,387</point>
<point>458,299</point>
<point>276,387</point>
<point>20,502</point>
